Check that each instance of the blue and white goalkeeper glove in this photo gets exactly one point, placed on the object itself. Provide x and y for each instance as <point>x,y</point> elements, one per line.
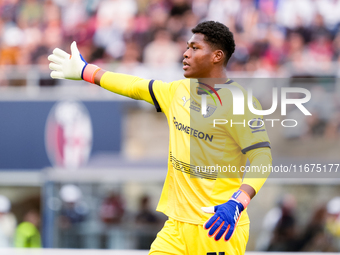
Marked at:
<point>73,67</point>
<point>223,223</point>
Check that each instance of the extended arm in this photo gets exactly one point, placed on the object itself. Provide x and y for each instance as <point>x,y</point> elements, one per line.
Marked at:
<point>74,67</point>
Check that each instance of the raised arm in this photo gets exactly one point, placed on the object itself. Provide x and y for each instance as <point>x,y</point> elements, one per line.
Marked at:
<point>74,67</point>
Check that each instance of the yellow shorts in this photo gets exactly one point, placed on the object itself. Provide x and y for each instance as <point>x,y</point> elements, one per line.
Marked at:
<point>182,238</point>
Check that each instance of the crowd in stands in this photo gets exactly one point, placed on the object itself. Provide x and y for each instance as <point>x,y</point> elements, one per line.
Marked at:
<point>282,231</point>
<point>268,33</point>
<point>110,223</point>
<point>20,234</point>
<point>147,38</point>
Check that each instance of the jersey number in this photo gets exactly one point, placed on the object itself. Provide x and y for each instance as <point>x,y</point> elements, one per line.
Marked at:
<point>215,253</point>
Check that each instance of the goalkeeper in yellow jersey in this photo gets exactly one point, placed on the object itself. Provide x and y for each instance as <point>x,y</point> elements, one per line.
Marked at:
<point>205,194</point>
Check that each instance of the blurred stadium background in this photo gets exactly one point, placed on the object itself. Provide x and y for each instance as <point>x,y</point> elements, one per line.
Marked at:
<point>87,166</point>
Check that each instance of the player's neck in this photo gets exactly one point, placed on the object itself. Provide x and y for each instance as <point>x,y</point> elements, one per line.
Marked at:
<point>213,80</point>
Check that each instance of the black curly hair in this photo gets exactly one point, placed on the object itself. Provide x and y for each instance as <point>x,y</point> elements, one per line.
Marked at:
<point>218,36</point>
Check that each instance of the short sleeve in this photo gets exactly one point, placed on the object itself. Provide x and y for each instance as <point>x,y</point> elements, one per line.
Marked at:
<point>248,130</point>
<point>162,94</point>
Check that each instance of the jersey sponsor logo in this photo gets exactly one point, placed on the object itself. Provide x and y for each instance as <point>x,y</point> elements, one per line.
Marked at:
<point>185,100</point>
<point>195,106</point>
<point>192,132</point>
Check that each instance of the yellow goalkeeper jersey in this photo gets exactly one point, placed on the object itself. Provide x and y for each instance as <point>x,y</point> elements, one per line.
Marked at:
<point>204,165</point>
<point>204,160</point>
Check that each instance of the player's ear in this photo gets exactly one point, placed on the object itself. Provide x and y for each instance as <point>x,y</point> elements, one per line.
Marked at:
<point>218,56</point>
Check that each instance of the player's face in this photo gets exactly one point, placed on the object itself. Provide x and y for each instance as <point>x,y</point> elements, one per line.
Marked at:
<point>198,58</point>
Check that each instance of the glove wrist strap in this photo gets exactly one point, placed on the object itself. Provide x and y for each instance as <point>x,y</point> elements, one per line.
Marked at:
<point>90,72</point>
<point>241,197</point>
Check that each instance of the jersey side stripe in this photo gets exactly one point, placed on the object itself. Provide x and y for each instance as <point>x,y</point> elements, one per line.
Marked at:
<point>152,94</point>
<point>256,146</point>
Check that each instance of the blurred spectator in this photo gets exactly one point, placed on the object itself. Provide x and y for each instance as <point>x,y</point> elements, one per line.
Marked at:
<point>333,126</point>
<point>162,56</point>
<point>27,233</point>
<point>321,233</point>
<point>289,13</point>
<point>295,44</point>
<point>320,51</point>
<point>179,7</point>
<point>51,12</point>
<point>274,38</point>
<point>10,53</point>
<point>158,13</point>
<point>112,209</point>
<point>111,213</point>
<point>284,234</point>
<point>145,214</point>
<point>266,11</point>
<point>223,11</point>
<point>315,237</point>
<point>275,54</point>
<point>147,224</point>
<point>8,10</point>
<point>7,223</point>
<point>330,10</point>
<point>73,14</point>
<point>146,38</point>
<point>131,62</point>
<point>336,47</point>
<point>162,52</point>
<point>116,13</point>
<point>73,212</point>
<point>318,28</point>
<point>113,17</point>
<point>246,18</point>
<point>322,108</point>
<point>269,223</point>
<point>200,7</point>
<point>275,220</point>
<point>30,13</point>
<point>333,220</point>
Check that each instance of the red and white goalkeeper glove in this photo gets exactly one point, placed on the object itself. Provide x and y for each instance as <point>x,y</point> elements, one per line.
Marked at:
<point>73,67</point>
<point>225,219</point>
